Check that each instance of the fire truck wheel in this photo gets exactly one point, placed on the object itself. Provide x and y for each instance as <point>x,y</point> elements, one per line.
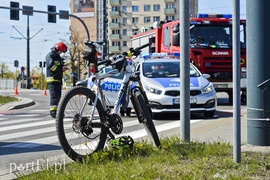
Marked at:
<point>230,98</point>
<point>244,97</point>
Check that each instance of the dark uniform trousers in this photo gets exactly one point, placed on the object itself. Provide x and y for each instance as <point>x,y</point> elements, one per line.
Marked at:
<point>55,95</point>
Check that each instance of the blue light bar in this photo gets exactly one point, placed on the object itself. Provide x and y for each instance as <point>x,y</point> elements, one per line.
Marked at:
<point>145,55</point>
<point>159,55</point>
<point>202,15</point>
<point>214,15</point>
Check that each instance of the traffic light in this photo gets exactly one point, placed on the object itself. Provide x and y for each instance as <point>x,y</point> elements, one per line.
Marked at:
<point>16,63</point>
<point>52,17</point>
<point>14,14</point>
<point>44,63</point>
<point>40,63</point>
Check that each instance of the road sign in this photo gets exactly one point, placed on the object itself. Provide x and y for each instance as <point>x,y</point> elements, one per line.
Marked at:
<point>71,74</point>
<point>22,68</point>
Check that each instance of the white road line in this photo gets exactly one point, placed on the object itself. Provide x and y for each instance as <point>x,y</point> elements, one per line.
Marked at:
<point>27,125</point>
<point>11,121</point>
<point>40,110</point>
<point>134,134</point>
<point>160,128</point>
<point>47,130</point>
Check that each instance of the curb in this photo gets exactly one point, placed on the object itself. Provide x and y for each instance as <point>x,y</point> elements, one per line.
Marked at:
<point>20,103</point>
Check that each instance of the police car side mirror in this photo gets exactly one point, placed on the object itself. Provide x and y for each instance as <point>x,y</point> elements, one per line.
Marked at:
<point>206,76</point>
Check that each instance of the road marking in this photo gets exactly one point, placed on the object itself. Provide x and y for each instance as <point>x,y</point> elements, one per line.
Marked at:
<point>11,121</point>
<point>47,130</point>
<point>134,134</point>
<point>27,125</point>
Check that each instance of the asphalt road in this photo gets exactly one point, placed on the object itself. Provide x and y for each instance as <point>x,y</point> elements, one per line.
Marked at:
<point>28,137</point>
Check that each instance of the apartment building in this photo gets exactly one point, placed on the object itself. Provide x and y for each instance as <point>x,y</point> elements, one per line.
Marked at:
<point>124,18</point>
<point>128,17</point>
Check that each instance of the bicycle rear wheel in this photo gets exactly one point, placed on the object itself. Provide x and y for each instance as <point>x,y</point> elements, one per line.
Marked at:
<point>145,117</point>
<point>76,137</point>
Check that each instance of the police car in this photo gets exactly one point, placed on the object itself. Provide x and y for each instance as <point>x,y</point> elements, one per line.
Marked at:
<point>160,75</point>
<point>110,86</point>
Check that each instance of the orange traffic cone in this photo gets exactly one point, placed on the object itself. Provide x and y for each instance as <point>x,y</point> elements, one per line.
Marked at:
<point>16,91</point>
<point>44,92</point>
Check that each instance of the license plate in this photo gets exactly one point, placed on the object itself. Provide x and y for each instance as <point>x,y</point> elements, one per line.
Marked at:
<point>177,101</point>
<point>221,85</point>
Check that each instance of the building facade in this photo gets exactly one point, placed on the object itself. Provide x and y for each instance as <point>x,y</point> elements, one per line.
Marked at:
<point>124,18</point>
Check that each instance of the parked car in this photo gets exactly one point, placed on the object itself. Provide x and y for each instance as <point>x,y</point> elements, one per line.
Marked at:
<point>161,80</point>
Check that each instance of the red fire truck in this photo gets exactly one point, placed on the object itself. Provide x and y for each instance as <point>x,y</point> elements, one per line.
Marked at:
<point>210,47</point>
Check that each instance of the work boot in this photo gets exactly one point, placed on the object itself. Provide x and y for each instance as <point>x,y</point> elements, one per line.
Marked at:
<point>53,114</point>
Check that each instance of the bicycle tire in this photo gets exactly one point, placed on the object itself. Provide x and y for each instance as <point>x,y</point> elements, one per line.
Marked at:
<point>73,140</point>
<point>147,122</point>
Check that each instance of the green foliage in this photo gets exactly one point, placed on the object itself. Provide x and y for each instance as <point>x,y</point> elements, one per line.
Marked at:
<point>7,99</point>
<point>174,160</point>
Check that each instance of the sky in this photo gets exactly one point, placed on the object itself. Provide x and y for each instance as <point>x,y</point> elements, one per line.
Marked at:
<point>45,35</point>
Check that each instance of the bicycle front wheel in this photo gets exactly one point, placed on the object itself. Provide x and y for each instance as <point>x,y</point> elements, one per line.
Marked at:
<point>77,137</point>
<point>145,117</point>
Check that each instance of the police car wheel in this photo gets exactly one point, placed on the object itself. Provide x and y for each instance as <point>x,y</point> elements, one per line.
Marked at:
<point>128,111</point>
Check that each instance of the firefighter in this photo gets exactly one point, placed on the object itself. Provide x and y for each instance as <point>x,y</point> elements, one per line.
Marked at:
<point>55,67</point>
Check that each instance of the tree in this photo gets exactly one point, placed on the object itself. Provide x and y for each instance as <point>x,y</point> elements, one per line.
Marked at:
<point>76,50</point>
<point>5,72</point>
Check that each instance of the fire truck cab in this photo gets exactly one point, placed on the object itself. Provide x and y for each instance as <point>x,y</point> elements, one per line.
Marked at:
<point>210,47</point>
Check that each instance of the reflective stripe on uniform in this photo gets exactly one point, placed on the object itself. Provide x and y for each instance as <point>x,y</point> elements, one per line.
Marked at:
<point>53,108</point>
<point>51,79</point>
<point>53,68</point>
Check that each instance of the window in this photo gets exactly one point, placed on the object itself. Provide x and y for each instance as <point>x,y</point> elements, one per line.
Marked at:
<point>125,43</point>
<point>124,8</point>
<point>147,19</point>
<point>166,36</point>
<point>124,20</point>
<point>156,7</point>
<point>135,31</point>
<point>124,31</point>
<point>115,43</point>
<point>135,8</point>
<point>169,6</point>
<point>115,31</point>
<point>115,8</point>
<point>156,18</point>
<point>135,20</point>
<point>147,7</point>
<point>169,18</point>
<point>115,20</point>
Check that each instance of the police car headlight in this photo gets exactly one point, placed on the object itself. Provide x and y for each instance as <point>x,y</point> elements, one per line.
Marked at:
<point>152,90</point>
<point>209,88</point>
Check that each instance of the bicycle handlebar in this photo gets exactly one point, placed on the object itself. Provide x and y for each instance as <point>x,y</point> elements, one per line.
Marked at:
<point>132,52</point>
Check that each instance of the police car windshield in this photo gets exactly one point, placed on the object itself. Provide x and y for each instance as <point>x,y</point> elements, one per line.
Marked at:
<point>165,70</point>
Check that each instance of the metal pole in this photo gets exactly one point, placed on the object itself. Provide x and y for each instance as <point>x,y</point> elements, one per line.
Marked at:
<point>236,83</point>
<point>42,76</point>
<point>104,48</point>
<point>184,71</point>
<point>258,104</point>
<point>28,55</point>
<point>79,74</point>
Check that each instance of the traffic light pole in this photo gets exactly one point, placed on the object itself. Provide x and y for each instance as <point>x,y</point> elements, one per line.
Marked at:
<point>104,53</point>
<point>28,38</point>
<point>28,55</point>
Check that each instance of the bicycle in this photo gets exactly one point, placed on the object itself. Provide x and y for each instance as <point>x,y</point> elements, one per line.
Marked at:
<point>84,122</point>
